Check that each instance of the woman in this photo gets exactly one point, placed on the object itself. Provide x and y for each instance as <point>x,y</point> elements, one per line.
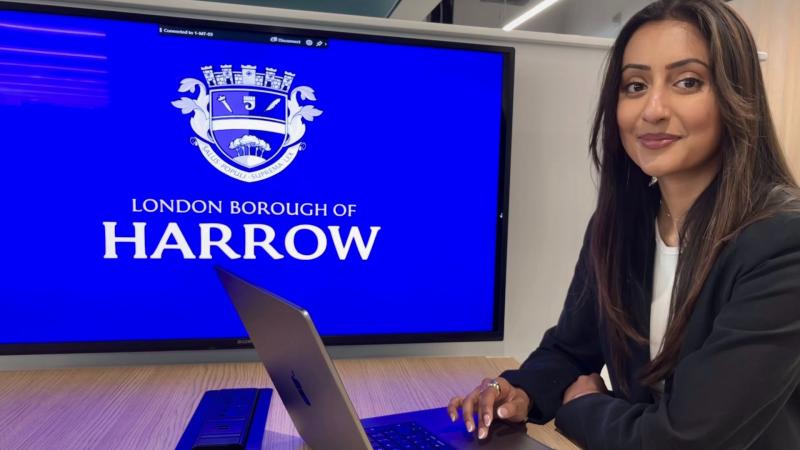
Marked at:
<point>688,283</point>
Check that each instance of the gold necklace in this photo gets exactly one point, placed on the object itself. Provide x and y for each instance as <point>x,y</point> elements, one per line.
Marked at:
<point>666,208</point>
<point>666,211</point>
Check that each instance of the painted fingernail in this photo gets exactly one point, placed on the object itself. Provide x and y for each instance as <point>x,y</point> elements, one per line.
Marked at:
<point>453,417</point>
<point>487,420</point>
<point>502,413</point>
<point>470,427</point>
<point>482,433</point>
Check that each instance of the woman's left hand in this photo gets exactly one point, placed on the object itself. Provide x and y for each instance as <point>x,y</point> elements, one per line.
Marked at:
<point>585,385</point>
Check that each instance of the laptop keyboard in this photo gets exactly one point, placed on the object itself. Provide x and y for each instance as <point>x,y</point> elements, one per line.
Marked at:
<point>406,435</point>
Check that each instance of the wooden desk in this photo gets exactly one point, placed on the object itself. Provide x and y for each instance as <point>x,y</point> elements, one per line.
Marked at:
<point>147,407</point>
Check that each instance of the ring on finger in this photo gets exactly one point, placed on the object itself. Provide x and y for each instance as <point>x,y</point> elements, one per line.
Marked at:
<point>495,385</point>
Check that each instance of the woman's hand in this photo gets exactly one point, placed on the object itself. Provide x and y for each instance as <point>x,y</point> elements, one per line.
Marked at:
<point>585,385</point>
<point>510,403</point>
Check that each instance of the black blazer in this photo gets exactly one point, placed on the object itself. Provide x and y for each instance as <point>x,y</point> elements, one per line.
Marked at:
<point>737,382</point>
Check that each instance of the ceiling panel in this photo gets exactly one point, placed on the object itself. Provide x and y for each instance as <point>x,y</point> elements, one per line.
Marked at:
<point>374,8</point>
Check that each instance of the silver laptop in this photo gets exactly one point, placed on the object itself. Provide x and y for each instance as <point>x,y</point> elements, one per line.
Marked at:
<point>309,386</point>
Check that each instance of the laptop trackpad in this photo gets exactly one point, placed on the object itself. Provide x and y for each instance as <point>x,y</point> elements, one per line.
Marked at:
<point>502,435</point>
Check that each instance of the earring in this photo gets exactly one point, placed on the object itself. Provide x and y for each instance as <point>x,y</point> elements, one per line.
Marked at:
<point>627,176</point>
<point>653,181</point>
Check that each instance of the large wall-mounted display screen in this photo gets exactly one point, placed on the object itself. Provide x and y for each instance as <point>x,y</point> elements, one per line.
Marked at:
<point>364,178</point>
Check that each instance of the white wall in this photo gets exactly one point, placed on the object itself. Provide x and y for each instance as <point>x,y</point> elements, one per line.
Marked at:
<point>593,18</point>
<point>552,192</point>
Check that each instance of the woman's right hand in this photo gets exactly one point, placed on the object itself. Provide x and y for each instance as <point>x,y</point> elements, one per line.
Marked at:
<point>510,403</point>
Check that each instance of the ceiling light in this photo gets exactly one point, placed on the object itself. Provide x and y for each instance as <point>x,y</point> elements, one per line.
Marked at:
<point>529,14</point>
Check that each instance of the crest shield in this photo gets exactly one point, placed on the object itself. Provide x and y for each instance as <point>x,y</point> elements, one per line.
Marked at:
<point>248,124</point>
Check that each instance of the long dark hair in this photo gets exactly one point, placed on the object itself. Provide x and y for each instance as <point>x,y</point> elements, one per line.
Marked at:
<point>754,182</point>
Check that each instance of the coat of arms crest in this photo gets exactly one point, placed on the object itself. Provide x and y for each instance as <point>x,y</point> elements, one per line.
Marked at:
<point>248,124</point>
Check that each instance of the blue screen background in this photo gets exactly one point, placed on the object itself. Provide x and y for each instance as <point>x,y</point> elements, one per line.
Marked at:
<point>409,135</point>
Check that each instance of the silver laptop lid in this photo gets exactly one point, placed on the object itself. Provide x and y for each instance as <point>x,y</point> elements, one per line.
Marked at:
<point>298,364</point>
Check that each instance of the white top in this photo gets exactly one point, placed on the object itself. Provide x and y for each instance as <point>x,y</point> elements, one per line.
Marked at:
<point>664,267</point>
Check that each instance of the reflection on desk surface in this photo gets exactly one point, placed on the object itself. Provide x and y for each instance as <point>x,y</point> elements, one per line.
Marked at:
<point>147,407</point>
